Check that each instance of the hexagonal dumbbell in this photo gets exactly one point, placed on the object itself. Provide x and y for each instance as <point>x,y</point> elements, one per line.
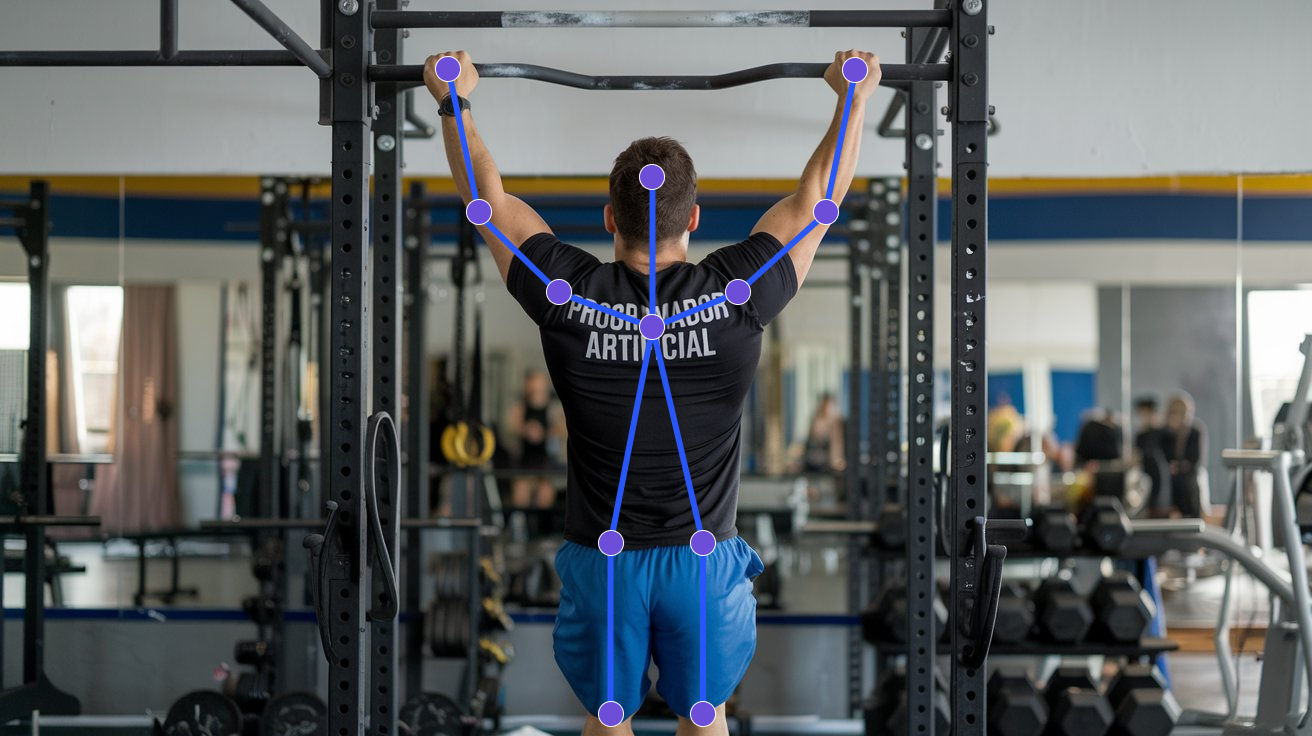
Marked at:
<point>891,527</point>
<point>1064,615</point>
<point>1123,608</point>
<point>1015,706</point>
<point>1015,614</point>
<point>1142,704</point>
<point>1106,527</point>
<point>885,709</point>
<point>1055,529</point>
<point>1074,706</point>
<point>885,619</point>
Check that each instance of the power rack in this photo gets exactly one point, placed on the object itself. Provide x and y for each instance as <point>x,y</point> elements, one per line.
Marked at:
<point>361,80</point>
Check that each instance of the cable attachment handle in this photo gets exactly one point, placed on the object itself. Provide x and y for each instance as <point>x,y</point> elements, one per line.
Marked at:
<point>382,428</point>
<point>314,544</point>
<point>979,611</point>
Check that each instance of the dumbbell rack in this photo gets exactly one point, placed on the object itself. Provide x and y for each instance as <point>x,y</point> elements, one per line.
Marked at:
<point>1150,648</point>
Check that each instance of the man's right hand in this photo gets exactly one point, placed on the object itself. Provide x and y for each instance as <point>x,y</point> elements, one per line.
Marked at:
<point>464,84</point>
<point>866,87</point>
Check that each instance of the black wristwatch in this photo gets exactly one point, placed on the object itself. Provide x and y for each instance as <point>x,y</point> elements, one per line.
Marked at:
<point>447,110</point>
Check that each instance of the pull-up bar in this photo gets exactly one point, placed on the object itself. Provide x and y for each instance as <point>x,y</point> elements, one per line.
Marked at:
<point>662,19</point>
<point>891,73</point>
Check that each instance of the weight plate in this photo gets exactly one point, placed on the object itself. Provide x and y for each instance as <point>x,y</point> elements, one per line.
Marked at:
<point>203,713</point>
<point>432,714</point>
<point>433,626</point>
<point>449,645</point>
<point>295,714</point>
<point>463,641</point>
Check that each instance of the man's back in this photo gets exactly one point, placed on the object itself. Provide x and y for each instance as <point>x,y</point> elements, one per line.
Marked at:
<point>594,360</point>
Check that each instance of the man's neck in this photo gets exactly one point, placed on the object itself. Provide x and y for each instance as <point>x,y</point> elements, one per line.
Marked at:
<point>639,259</point>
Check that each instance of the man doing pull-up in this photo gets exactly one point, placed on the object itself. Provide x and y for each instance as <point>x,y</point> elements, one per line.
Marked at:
<point>597,355</point>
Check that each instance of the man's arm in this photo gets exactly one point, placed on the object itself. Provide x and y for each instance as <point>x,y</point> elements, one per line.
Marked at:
<point>510,215</point>
<point>793,213</point>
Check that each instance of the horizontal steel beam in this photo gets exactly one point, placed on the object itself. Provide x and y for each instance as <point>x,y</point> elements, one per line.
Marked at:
<point>283,34</point>
<point>12,522</point>
<point>149,58</point>
<point>662,19</point>
<point>891,73</point>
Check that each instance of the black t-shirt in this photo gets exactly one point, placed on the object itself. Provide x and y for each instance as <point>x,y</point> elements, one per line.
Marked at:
<point>594,360</point>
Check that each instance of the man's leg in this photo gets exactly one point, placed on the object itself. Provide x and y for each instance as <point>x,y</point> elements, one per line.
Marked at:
<point>601,666</point>
<point>594,727</point>
<point>687,728</point>
<point>730,633</point>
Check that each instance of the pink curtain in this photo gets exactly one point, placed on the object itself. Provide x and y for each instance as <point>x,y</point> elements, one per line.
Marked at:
<point>141,492</point>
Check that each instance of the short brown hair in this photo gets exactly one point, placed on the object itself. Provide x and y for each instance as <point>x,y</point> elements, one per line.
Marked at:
<point>674,198</point>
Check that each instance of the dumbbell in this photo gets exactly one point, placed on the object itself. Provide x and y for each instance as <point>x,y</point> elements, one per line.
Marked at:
<point>1064,615</point>
<point>495,616</point>
<point>1055,530</point>
<point>1106,527</point>
<point>1123,609</point>
<point>891,527</point>
<point>885,619</point>
<point>1074,706</point>
<point>1142,704</point>
<point>1015,706</point>
<point>1015,617</point>
<point>885,709</point>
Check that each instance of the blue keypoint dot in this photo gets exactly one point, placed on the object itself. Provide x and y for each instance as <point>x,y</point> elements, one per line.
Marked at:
<point>559,291</point>
<point>703,543</point>
<point>651,176</point>
<point>738,292</point>
<point>611,714</point>
<point>479,211</point>
<point>825,211</point>
<point>447,68</point>
<point>610,543</point>
<point>651,326</point>
<point>855,69</point>
<point>702,714</point>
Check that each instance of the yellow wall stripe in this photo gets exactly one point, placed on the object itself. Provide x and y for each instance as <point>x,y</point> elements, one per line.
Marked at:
<point>248,186</point>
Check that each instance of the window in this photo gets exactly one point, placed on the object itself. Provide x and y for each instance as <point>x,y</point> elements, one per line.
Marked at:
<point>95,318</point>
<point>1277,324</point>
<point>15,305</point>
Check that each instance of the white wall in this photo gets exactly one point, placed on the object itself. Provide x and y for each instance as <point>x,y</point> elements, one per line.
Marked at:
<point>1120,87</point>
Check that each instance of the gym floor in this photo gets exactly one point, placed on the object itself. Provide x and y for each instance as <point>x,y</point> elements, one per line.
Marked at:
<point>815,577</point>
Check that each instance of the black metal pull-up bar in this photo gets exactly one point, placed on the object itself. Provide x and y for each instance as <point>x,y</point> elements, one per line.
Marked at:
<point>662,19</point>
<point>891,73</point>
<point>218,57</point>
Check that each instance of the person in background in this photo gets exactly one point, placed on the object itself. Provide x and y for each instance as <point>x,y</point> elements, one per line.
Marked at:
<point>1099,439</point>
<point>823,451</point>
<point>536,423</point>
<point>1183,442</point>
<point>1150,453</point>
<point>1005,425</point>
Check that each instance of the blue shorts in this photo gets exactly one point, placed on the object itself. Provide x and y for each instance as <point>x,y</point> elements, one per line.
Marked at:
<point>657,616</point>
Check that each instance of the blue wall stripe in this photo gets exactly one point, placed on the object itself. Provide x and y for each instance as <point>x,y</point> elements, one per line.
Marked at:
<point>1011,218</point>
